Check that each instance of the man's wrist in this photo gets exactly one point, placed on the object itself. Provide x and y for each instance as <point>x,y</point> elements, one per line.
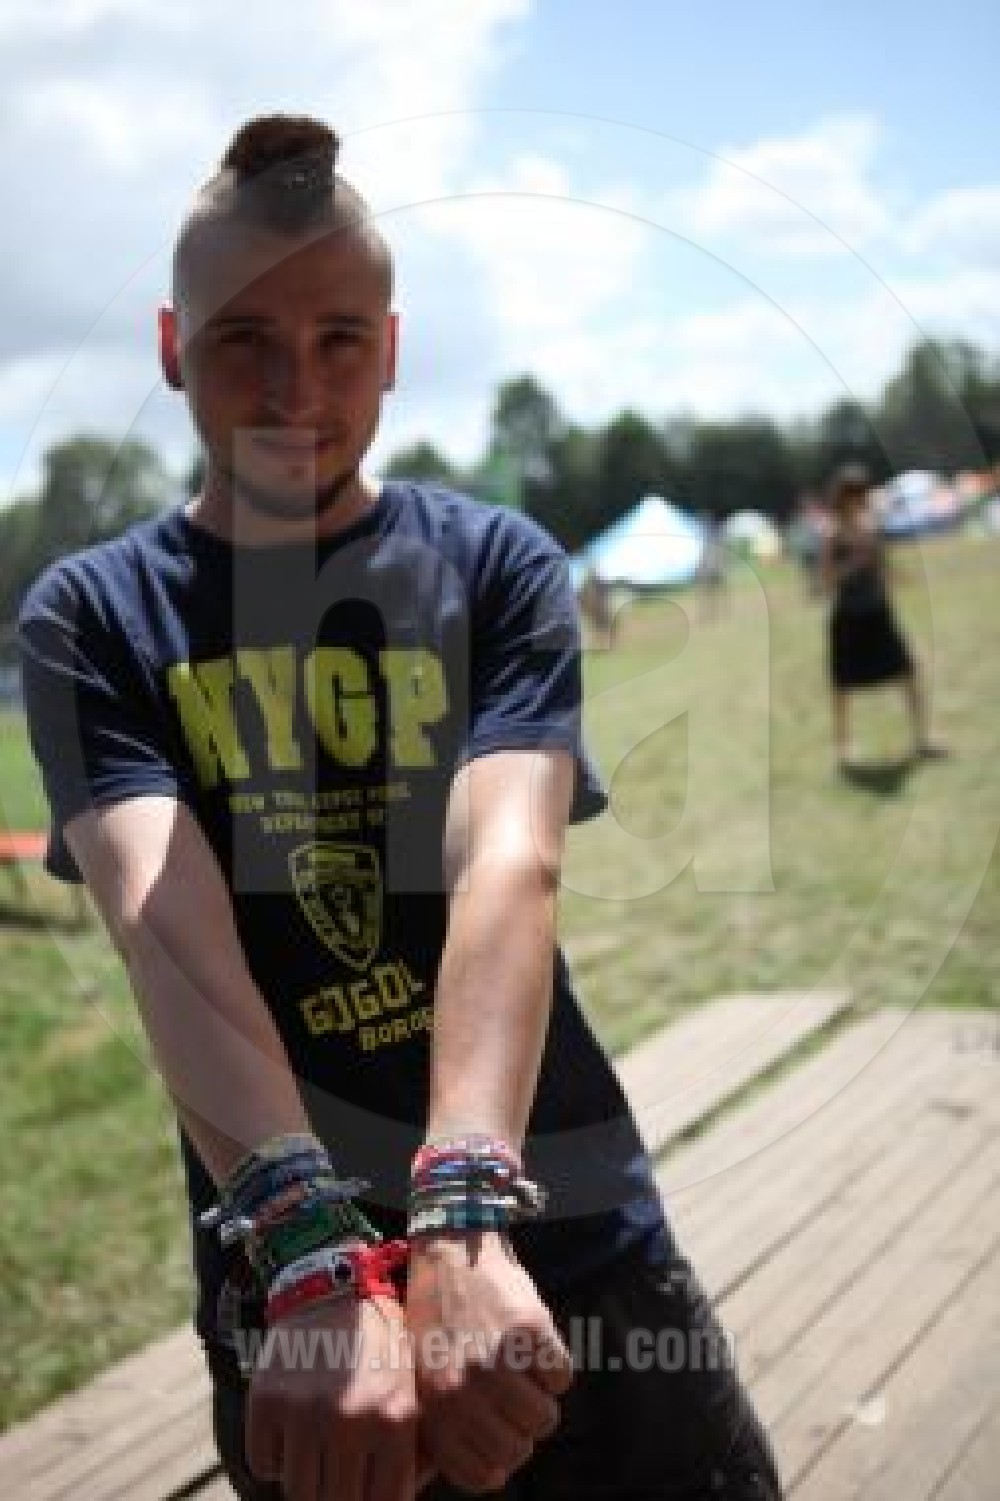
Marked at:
<point>457,1247</point>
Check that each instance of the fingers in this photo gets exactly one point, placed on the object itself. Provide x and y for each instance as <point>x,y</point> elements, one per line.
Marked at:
<point>545,1357</point>
<point>466,1466</point>
<point>552,1366</point>
<point>523,1404</point>
<point>491,1429</point>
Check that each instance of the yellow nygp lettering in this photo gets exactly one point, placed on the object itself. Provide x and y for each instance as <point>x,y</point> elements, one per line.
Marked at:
<point>418,696</point>
<point>203,696</point>
<point>272,676</point>
<point>342,709</point>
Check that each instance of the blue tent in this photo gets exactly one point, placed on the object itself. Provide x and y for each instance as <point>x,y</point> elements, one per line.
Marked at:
<point>655,545</point>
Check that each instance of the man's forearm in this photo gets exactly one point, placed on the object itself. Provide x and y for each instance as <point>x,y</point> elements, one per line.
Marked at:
<point>493,999</point>
<point>218,1052</point>
<point>213,1039</point>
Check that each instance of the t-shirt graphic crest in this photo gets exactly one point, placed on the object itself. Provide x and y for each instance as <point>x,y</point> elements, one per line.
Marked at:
<point>339,888</point>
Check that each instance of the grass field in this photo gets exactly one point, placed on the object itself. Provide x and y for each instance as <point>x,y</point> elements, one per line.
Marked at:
<point>735,861</point>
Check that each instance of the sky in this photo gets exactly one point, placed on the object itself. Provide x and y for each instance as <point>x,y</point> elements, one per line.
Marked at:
<point>709,209</point>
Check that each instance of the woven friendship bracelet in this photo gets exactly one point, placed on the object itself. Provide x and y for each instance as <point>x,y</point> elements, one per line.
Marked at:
<point>471,1182</point>
<point>284,1200</point>
<point>359,1271</point>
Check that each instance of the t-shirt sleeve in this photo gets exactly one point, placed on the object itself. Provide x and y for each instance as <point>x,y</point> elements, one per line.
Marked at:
<point>526,670</point>
<point>92,722</point>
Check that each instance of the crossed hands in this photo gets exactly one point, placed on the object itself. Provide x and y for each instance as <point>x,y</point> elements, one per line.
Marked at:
<point>462,1382</point>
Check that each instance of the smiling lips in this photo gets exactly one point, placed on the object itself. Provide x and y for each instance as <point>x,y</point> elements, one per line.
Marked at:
<point>299,445</point>
<point>307,445</point>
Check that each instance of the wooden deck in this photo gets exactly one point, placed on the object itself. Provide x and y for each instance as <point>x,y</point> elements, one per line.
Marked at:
<point>846,1218</point>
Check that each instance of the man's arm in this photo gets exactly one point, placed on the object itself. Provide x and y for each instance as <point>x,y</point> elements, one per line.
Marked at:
<point>503,845</point>
<point>504,835</point>
<point>163,898</point>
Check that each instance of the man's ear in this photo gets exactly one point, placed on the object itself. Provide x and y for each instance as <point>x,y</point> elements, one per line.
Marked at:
<point>391,351</point>
<point>169,354</point>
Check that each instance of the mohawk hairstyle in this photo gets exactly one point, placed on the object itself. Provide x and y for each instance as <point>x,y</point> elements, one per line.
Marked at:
<point>282,171</point>
<point>279,172</point>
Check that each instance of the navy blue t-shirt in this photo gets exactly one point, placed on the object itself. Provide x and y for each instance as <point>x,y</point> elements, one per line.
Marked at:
<point>310,704</point>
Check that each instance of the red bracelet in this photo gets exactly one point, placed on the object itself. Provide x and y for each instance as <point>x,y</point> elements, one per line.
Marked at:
<point>372,1268</point>
<point>374,1264</point>
<point>314,1288</point>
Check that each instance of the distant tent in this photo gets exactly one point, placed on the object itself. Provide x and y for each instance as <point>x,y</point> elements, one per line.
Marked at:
<point>755,533</point>
<point>655,545</point>
<point>918,501</point>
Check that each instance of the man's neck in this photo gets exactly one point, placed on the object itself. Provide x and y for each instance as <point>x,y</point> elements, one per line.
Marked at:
<point>220,509</point>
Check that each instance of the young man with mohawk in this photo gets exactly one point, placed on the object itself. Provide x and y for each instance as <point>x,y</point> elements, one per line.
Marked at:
<point>313,743</point>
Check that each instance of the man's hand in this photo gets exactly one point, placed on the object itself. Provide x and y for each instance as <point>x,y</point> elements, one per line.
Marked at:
<point>489,1359</point>
<point>332,1413</point>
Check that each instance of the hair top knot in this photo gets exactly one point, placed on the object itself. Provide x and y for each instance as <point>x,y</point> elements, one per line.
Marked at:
<point>293,149</point>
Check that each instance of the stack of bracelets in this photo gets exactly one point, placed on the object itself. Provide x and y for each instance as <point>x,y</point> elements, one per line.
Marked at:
<point>469,1183</point>
<point>307,1242</point>
<point>304,1238</point>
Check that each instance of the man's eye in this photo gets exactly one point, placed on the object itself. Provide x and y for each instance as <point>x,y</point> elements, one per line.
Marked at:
<point>239,338</point>
<point>341,339</point>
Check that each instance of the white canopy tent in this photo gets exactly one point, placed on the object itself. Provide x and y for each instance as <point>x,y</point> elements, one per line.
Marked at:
<point>654,545</point>
<point>757,534</point>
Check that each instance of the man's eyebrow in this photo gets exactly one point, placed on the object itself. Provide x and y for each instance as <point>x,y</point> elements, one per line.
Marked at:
<point>346,320</point>
<point>261,320</point>
<point>236,320</point>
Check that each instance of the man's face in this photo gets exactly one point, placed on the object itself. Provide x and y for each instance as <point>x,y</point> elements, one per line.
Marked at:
<point>284,347</point>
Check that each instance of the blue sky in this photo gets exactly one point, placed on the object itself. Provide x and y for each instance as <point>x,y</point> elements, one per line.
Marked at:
<point>712,208</point>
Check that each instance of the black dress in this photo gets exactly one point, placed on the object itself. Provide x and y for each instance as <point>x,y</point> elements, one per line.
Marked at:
<point>866,646</point>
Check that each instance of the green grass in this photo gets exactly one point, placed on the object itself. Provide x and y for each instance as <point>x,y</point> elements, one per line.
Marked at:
<point>22,805</point>
<point>893,894</point>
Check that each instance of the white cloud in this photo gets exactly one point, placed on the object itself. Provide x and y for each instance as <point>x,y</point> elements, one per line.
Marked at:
<point>114,110</point>
<point>962,224</point>
<point>553,266</point>
<point>555,259</point>
<point>804,194</point>
<point>531,265</point>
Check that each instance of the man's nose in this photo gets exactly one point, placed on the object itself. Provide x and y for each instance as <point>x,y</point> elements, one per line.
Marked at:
<point>294,386</point>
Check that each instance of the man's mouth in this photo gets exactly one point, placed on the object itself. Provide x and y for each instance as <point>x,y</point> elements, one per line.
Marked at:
<point>294,446</point>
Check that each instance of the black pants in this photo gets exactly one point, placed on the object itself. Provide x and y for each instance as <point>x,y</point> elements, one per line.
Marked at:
<point>656,1409</point>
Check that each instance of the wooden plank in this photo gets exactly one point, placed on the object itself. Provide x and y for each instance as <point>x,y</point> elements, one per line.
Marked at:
<point>678,1075</point>
<point>153,1465</point>
<point>859,1341</point>
<point>790,1162</point>
<point>753,1206</point>
<point>914,1429</point>
<point>808,1093</point>
<point>67,1425</point>
<point>91,1469</point>
<point>805,1212</point>
<point>974,1477</point>
<point>865,1222</point>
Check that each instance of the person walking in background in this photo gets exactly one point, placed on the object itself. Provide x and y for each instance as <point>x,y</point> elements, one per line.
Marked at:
<point>596,603</point>
<point>866,646</point>
<point>712,568</point>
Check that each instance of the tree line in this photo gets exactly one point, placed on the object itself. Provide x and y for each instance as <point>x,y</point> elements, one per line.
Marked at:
<point>940,411</point>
